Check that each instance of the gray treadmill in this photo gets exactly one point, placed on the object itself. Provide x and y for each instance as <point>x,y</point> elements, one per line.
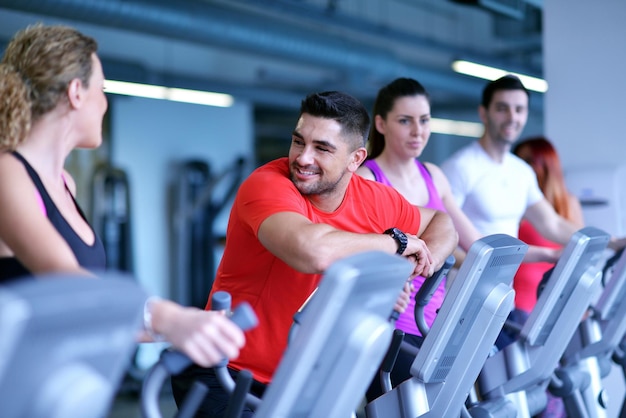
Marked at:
<point>513,381</point>
<point>462,336</point>
<point>343,335</point>
<point>65,344</point>
<point>590,350</point>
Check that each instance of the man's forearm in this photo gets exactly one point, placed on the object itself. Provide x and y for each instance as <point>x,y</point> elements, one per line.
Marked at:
<point>440,237</point>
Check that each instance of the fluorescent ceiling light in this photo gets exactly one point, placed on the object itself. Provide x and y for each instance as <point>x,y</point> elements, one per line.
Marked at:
<point>456,127</point>
<point>168,93</point>
<point>491,73</point>
<point>442,126</point>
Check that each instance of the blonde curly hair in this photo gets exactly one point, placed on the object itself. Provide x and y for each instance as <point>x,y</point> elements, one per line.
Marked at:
<point>36,69</point>
<point>14,108</point>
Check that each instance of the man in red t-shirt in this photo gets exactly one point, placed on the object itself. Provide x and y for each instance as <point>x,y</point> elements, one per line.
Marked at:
<point>295,216</point>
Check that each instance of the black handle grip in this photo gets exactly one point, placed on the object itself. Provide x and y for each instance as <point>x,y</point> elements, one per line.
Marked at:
<point>175,361</point>
<point>244,317</point>
<point>392,352</point>
<point>427,290</point>
<point>221,301</point>
<point>238,398</point>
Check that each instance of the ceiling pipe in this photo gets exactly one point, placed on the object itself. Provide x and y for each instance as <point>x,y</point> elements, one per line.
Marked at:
<point>308,12</point>
<point>209,24</point>
<point>364,66</point>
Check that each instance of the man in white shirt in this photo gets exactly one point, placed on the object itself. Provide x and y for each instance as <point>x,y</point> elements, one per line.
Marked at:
<point>495,188</point>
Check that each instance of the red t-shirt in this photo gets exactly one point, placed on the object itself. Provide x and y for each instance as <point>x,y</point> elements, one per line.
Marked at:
<point>249,272</point>
<point>529,275</point>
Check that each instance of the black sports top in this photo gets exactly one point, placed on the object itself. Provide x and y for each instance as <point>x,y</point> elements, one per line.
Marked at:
<point>90,257</point>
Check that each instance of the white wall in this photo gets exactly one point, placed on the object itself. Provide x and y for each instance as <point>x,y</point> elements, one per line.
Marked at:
<point>147,137</point>
<point>585,64</point>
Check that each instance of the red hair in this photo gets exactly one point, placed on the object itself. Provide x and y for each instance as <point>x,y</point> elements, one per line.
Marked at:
<point>541,155</point>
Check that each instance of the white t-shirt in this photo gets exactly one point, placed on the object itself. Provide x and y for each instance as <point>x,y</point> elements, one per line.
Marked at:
<point>493,195</point>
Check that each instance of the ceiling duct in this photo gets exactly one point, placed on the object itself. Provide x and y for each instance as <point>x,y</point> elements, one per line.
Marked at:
<point>210,24</point>
<point>361,67</point>
<point>515,9</point>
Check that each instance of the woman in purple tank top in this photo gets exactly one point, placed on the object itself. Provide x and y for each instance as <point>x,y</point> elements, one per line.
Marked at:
<point>399,133</point>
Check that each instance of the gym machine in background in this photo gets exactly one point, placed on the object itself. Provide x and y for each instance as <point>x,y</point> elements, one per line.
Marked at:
<point>111,221</point>
<point>513,381</point>
<point>197,197</point>
<point>587,359</point>
<point>111,216</point>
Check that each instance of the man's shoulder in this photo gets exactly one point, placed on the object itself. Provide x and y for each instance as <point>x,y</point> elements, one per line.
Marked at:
<point>373,194</point>
<point>381,205</point>
<point>270,180</point>
<point>462,156</point>
<point>519,165</point>
<point>373,187</point>
<point>270,171</point>
<point>279,165</point>
<point>515,160</point>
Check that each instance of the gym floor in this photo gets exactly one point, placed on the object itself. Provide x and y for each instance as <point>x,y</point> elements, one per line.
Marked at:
<point>127,403</point>
<point>128,406</point>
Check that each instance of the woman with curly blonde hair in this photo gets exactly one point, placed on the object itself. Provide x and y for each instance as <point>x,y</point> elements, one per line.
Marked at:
<point>53,101</point>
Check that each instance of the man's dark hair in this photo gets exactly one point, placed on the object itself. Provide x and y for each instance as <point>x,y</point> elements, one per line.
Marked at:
<point>507,82</point>
<point>343,108</point>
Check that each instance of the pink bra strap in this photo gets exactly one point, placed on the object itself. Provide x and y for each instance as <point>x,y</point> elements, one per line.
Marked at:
<point>41,204</point>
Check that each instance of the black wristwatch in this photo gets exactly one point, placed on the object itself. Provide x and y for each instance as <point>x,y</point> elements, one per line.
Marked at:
<point>400,238</point>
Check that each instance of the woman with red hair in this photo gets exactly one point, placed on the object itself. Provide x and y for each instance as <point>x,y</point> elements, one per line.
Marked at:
<point>541,155</point>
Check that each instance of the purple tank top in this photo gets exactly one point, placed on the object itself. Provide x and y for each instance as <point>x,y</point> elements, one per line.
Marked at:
<point>406,321</point>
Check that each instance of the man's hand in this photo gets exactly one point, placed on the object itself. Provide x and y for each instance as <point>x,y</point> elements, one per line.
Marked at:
<point>616,244</point>
<point>418,252</point>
